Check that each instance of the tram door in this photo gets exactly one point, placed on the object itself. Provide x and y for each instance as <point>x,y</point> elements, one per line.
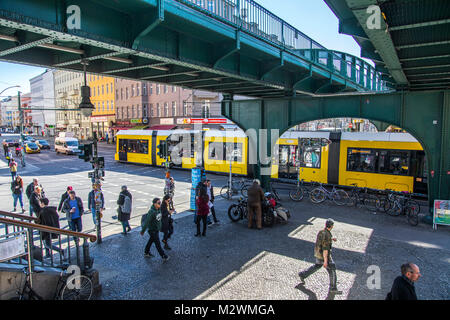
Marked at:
<point>419,172</point>
<point>287,167</point>
<point>123,148</point>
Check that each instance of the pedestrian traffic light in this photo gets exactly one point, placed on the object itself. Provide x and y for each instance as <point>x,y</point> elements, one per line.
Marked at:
<point>86,151</point>
<point>162,149</point>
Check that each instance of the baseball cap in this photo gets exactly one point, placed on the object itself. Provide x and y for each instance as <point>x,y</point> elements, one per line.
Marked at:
<point>69,188</point>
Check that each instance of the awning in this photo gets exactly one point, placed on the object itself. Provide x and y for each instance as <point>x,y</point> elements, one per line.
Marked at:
<point>121,128</point>
<point>140,127</point>
<point>163,127</point>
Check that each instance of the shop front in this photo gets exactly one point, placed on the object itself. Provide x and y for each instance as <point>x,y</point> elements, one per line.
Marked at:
<point>103,125</point>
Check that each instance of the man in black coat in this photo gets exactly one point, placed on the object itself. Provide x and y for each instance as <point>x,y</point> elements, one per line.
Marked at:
<point>403,286</point>
<point>64,196</point>
<point>48,216</point>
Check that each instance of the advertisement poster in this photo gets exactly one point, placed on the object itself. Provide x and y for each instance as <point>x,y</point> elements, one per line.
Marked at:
<point>441,213</point>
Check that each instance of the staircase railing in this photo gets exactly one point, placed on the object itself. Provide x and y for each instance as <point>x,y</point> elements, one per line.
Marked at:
<point>45,239</point>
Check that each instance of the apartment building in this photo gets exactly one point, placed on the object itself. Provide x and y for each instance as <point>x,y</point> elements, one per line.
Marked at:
<point>43,97</point>
<point>103,98</point>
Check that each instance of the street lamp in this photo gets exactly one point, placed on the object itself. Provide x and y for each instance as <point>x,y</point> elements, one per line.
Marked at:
<point>86,106</point>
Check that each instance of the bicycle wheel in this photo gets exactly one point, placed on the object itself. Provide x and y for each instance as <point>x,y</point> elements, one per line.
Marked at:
<point>413,217</point>
<point>395,209</point>
<point>296,195</point>
<point>370,202</point>
<point>317,196</point>
<point>340,197</point>
<point>414,205</point>
<point>234,212</point>
<point>225,193</point>
<point>84,292</point>
<point>244,191</point>
<point>383,204</point>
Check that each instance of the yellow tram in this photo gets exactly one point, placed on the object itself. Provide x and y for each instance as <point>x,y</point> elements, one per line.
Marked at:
<point>375,160</point>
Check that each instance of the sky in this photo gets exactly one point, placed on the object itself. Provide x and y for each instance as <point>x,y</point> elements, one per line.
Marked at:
<point>312,17</point>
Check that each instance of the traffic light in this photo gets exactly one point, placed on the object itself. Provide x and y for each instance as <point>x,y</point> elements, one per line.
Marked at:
<point>162,149</point>
<point>86,151</point>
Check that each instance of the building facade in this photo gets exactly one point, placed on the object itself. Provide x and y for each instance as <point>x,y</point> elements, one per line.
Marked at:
<point>43,97</point>
<point>68,96</point>
<point>103,98</point>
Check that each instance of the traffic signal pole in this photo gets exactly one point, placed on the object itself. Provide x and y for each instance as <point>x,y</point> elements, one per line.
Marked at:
<point>95,164</point>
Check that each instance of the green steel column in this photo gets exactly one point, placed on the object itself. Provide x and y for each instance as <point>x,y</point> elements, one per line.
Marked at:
<point>444,174</point>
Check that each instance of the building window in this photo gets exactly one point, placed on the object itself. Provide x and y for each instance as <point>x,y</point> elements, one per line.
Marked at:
<point>103,89</point>
<point>144,89</point>
<point>106,88</point>
<point>205,109</point>
<point>137,90</point>
<point>166,109</point>
<point>121,93</point>
<point>174,89</point>
<point>151,110</point>
<point>165,88</point>
<point>126,93</point>
<point>174,108</point>
<point>150,85</point>
<point>111,105</point>
<point>117,94</point>
<point>144,111</point>
<point>103,105</point>
<point>158,89</point>
<point>185,109</point>
<point>132,111</point>
<point>158,111</point>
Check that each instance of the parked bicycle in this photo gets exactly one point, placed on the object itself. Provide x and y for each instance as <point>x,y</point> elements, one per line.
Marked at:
<point>401,203</point>
<point>300,191</point>
<point>320,194</point>
<point>69,287</point>
<point>361,196</point>
<point>240,186</point>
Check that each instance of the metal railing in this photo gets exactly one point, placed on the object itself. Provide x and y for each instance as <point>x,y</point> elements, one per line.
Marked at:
<point>66,243</point>
<point>254,19</point>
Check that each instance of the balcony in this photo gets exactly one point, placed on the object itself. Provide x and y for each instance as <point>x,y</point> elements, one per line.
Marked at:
<point>61,95</point>
<point>74,92</point>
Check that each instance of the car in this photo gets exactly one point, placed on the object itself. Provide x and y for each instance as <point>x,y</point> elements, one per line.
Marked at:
<point>27,139</point>
<point>43,144</point>
<point>11,142</point>
<point>32,147</point>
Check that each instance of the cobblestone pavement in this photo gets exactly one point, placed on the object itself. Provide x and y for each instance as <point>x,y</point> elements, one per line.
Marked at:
<point>233,262</point>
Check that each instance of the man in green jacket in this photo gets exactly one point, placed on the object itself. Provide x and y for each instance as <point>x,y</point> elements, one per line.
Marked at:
<point>153,225</point>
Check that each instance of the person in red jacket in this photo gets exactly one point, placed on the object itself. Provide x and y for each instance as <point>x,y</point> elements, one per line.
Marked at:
<point>202,211</point>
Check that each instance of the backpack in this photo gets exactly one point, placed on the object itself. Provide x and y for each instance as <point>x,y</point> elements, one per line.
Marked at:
<point>144,219</point>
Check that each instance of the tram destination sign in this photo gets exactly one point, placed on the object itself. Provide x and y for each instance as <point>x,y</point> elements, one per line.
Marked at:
<point>313,142</point>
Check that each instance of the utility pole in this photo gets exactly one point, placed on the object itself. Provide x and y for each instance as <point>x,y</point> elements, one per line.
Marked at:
<point>97,164</point>
<point>22,146</point>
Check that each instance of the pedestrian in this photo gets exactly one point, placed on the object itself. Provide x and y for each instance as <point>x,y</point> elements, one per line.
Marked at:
<point>96,201</point>
<point>210,191</point>
<point>202,211</point>
<point>166,221</point>
<point>403,287</point>
<point>64,196</point>
<point>73,207</point>
<point>153,224</point>
<point>48,216</point>
<point>5,148</point>
<point>254,208</point>
<point>17,191</point>
<point>8,156</point>
<point>107,137</point>
<point>169,187</point>
<point>124,209</point>
<point>36,200</point>
<point>30,190</point>
<point>322,253</point>
<point>200,185</point>
<point>13,168</point>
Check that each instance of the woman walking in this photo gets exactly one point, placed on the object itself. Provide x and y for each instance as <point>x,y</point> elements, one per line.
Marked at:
<point>166,225</point>
<point>17,191</point>
<point>202,211</point>
<point>124,210</point>
<point>13,169</point>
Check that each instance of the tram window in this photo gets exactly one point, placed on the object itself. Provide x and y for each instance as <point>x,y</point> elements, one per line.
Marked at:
<point>398,162</point>
<point>133,146</point>
<point>362,160</point>
<point>215,151</point>
<point>310,157</point>
<point>236,147</point>
<point>383,162</point>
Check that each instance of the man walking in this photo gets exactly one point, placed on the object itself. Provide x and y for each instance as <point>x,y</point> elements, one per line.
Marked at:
<point>153,225</point>
<point>30,190</point>
<point>73,207</point>
<point>403,286</point>
<point>210,191</point>
<point>36,201</point>
<point>255,197</point>
<point>322,253</point>
<point>96,201</point>
<point>125,205</point>
<point>5,147</point>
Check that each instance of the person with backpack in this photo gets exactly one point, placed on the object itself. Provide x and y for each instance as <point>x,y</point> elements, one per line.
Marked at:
<point>403,287</point>
<point>17,190</point>
<point>36,200</point>
<point>166,225</point>
<point>124,209</point>
<point>152,222</point>
<point>322,253</point>
<point>13,168</point>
